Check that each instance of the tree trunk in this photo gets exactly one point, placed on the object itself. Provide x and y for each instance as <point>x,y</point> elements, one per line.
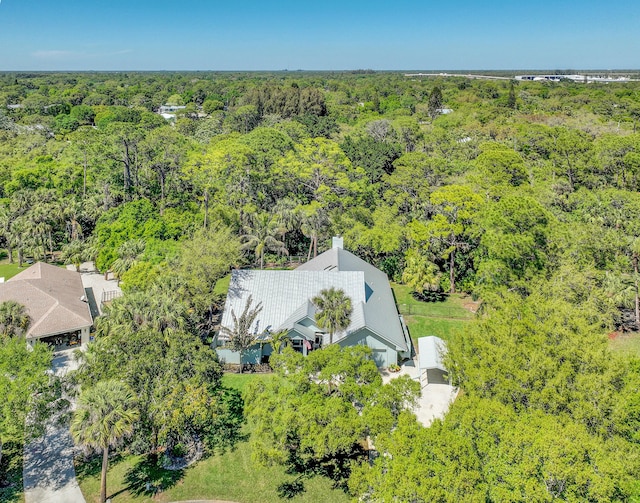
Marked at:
<point>105,205</point>
<point>452,274</point>
<point>310,248</point>
<point>162,177</point>
<point>206,208</point>
<point>240,361</point>
<point>10,251</point>
<point>635,270</point>
<point>20,258</point>
<point>103,477</point>
<point>84,177</point>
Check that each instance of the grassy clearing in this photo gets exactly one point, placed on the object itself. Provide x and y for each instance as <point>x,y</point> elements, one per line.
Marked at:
<point>10,270</point>
<point>222,285</point>
<point>240,381</point>
<point>628,344</point>
<point>444,319</point>
<point>231,476</point>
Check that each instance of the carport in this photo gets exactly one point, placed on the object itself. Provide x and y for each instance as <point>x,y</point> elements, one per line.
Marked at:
<point>431,351</point>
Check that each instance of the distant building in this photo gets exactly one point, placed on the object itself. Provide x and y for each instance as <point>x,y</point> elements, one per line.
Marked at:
<point>286,305</point>
<point>168,112</point>
<point>170,109</point>
<point>55,301</point>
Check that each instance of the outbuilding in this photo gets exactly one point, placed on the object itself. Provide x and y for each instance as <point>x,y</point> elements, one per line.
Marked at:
<point>431,352</point>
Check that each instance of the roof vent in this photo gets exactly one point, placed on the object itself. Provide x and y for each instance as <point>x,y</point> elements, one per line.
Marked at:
<point>338,242</point>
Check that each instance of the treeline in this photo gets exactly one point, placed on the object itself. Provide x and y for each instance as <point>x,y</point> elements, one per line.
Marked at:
<point>524,195</point>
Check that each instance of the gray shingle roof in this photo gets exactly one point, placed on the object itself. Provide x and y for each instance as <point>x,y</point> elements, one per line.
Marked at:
<point>52,298</point>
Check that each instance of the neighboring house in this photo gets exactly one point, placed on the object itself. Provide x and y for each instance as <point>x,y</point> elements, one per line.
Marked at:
<point>168,112</point>
<point>55,301</point>
<point>431,351</point>
<point>170,109</point>
<point>286,305</point>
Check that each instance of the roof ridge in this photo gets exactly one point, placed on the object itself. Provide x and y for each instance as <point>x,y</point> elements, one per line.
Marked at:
<point>44,316</point>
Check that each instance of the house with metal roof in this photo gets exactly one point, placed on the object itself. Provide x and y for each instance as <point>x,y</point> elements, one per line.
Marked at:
<point>56,302</point>
<point>285,298</point>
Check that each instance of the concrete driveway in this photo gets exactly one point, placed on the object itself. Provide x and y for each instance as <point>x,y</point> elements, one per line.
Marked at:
<point>48,472</point>
<point>95,285</point>
<point>435,399</point>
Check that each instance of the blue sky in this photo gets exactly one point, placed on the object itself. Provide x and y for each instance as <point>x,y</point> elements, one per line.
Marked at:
<point>328,35</point>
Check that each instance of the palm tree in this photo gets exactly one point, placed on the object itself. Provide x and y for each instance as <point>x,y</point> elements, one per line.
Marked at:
<point>260,236</point>
<point>128,254</point>
<point>105,415</point>
<point>14,319</point>
<point>74,253</point>
<point>334,310</point>
<point>241,335</point>
<point>280,340</point>
<point>314,221</point>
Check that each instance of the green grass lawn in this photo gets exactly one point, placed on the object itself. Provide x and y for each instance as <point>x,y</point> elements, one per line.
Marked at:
<point>231,476</point>
<point>222,285</point>
<point>10,270</point>
<point>628,344</point>
<point>444,319</point>
<point>240,381</point>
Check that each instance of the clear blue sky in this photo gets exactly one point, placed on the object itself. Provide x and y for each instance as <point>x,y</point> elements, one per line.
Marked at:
<point>318,35</point>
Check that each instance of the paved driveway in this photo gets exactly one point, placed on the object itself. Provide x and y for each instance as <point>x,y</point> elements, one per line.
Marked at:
<point>435,399</point>
<point>49,475</point>
<point>95,285</point>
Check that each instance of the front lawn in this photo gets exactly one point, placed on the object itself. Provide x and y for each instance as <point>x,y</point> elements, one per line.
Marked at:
<point>231,476</point>
<point>10,270</point>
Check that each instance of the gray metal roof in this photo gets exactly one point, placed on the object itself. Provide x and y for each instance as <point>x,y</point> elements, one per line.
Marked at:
<point>379,308</point>
<point>285,296</point>
<point>431,350</point>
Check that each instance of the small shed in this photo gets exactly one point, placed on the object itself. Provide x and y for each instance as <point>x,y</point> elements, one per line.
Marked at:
<point>431,351</point>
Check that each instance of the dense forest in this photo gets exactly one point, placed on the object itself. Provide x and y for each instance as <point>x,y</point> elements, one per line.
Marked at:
<point>521,194</point>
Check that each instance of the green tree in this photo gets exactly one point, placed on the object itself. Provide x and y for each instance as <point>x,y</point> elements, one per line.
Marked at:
<point>242,335</point>
<point>206,257</point>
<point>14,319</point>
<point>456,208</point>
<point>129,253</point>
<point>105,414</point>
<point>334,310</point>
<point>23,389</point>
<point>260,235</point>
<point>422,276</point>
<point>315,415</point>
<point>435,102</point>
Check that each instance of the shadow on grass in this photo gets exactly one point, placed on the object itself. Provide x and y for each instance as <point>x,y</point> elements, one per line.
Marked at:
<point>148,477</point>
<point>11,485</point>
<point>91,467</point>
